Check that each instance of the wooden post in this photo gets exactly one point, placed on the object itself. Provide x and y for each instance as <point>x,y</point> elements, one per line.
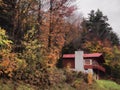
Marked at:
<point>90,78</point>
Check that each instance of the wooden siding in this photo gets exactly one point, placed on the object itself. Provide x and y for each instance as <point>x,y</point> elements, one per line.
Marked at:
<point>95,67</point>
<point>70,62</point>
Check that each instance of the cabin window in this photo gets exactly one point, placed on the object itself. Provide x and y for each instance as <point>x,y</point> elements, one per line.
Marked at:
<point>95,62</point>
<point>87,61</point>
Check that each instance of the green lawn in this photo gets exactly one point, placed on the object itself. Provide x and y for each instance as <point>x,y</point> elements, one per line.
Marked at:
<point>108,85</point>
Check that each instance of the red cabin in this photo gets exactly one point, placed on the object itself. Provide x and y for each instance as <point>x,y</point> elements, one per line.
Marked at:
<point>85,62</point>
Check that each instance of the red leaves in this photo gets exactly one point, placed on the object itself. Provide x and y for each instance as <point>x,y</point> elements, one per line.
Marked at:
<point>71,9</point>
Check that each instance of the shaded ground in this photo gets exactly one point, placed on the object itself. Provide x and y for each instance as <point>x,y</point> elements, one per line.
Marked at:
<point>97,85</point>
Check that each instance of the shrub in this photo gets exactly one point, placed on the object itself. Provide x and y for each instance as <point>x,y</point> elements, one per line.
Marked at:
<point>9,61</point>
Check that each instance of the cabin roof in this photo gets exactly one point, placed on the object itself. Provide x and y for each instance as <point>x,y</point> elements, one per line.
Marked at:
<point>68,55</point>
<point>86,56</point>
<point>92,55</point>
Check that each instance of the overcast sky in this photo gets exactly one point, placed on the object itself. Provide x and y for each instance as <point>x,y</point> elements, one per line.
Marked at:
<point>110,8</point>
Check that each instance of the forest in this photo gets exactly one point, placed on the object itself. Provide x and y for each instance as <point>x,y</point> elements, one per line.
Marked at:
<point>34,34</point>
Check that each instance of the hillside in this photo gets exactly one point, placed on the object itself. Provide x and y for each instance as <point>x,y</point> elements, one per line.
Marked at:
<point>97,85</point>
<point>34,35</point>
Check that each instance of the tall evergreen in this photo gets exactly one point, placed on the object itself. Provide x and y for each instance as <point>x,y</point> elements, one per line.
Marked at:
<point>98,27</point>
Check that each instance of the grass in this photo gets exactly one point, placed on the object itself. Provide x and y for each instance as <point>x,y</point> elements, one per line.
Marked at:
<point>19,85</point>
<point>98,85</point>
<point>11,85</point>
<point>108,85</point>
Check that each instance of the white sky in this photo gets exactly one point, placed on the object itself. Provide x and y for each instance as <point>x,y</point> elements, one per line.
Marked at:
<point>110,8</point>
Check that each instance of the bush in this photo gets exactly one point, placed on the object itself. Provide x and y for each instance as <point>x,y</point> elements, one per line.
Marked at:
<point>74,78</point>
<point>9,61</point>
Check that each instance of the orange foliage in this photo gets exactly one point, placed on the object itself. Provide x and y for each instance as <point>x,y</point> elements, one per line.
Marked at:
<point>10,63</point>
<point>90,78</point>
<point>53,40</point>
<point>51,60</point>
<point>99,46</point>
<point>53,30</point>
<point>8,66</point>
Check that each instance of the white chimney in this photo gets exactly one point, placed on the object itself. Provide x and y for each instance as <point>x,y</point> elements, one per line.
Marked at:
<point>79,61</point>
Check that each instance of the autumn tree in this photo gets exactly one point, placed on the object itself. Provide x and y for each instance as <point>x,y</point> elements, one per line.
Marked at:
<point>45,22</point>
<point>99,46</point>
<point>54,28</point>
<point>111,53</point>
<point>71,40</point>
<point>9,61</point>
<point>10,19</point>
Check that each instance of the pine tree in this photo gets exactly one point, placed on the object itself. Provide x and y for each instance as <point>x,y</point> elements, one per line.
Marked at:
<point>98,27</point>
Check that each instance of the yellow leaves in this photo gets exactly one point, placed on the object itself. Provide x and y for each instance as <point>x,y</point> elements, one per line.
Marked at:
<point>108,50</point>
<point>4,42</point>
<point>51,60</point>
<point>2,32</point>
<point>10,63</point>
<point>116,50</point>
<point>21,64</point>
<point>51,57</point>
<point>7,63</point>
<point>91,46</point>
<point>102,47</point>
<point>96,47</point>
